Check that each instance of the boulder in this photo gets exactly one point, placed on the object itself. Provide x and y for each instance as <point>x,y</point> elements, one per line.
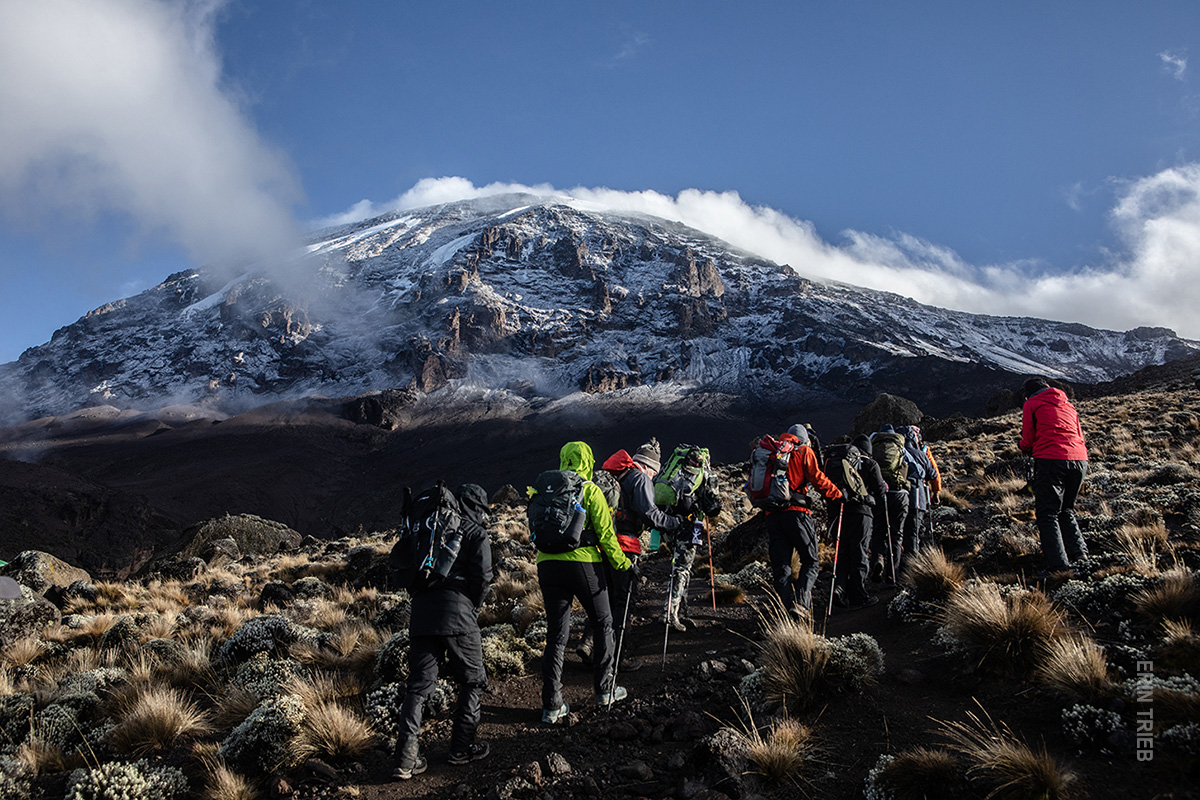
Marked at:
<point>886,409</point>
<point>25,616</point>
<point>39,571</point>
<point>252,535</point>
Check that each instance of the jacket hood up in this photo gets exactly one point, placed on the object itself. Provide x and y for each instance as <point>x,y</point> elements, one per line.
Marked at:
<point>577,457</point>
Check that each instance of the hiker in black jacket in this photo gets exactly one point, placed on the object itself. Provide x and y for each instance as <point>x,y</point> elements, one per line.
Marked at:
<point>850,572</point>
<point>444,626</point>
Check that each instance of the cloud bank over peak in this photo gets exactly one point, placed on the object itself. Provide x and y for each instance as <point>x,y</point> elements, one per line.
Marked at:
<point>117,107</point>
<point>1154,281</point>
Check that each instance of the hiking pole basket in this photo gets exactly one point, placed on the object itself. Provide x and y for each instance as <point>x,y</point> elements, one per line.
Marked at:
<point>837,541</point>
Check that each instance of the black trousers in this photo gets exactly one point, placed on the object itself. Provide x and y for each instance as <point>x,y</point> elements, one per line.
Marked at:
<point>897,513</point>
<point>788,532</point>
<point>562,582</point>
<point>463,655</point>
<point>1056,484</point>
<point>622,599</point>
<point>850,571</point>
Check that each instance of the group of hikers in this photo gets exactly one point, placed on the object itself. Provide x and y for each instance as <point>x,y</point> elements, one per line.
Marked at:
<point>591,527</point>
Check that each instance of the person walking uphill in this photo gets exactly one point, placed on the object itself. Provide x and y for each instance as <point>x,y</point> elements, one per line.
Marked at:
<point>1051,433</point>
<point>574,569</point>
<point>791,529</point>
<point>444,558</point>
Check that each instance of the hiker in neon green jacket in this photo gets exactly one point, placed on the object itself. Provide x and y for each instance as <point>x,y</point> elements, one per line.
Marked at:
<point>579,573</point>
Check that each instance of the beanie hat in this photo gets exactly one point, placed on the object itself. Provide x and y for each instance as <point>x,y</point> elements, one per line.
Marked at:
<point>887,428</point>
<point>863,443</point>
<point>800,432</point>
<point>1033,386</point>
<point>649,455</point>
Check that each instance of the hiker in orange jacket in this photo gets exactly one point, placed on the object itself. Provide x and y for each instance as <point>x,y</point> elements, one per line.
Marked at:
<point>792,530</point>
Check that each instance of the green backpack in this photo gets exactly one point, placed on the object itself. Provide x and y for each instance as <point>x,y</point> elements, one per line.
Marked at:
<point>681,475</point>
<point>888,452</point>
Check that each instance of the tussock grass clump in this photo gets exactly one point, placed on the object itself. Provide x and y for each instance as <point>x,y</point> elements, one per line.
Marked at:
<point>800,667</point>
<point>1141,544</point>
<point>158,719</point>
<point>1180,647</point>
<point>1175,597</point>
<point>920,774</point>
<point>931,576</point>
<point>1075,665</point>
<point>781,754</point>
<point>333,731</point>
<point>225,784</point>
<point>1005,632</point>
<point>22,652</point>
<point>730,595</point>
<point>1005,765</point>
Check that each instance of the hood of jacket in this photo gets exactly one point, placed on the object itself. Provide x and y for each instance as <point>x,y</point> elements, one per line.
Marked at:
<point>577,457</point>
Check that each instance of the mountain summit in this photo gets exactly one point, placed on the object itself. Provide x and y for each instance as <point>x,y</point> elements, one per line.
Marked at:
<point>542,297</point>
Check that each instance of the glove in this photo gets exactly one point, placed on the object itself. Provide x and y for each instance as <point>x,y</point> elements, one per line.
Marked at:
<point>635,572</point>
<point>697,533</point>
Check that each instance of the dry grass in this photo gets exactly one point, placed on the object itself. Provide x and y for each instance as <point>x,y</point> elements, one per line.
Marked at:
<point>159,718</point>
<point>42,758</point>
<point>22,652</point>
<point>783,752</point>
<point>1075,665</point>
<point>922,774</point>
<point>1005,633</point>
<point>932,577</point>
<point>730,595</point>
<point>232,707</point>
<point>332,731</point>
<point>794,658</point>
<point>1176,597</point>
<point>352,647</point>
<point>1180,647</point>
<point>225,784</point>
<point>1005,765</point>
<point>1141,544</point>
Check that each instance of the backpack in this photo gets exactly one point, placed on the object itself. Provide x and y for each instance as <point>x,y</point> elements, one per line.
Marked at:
<point>768,487</point>
<point>611,487</point>
<point>841,466</point>
<point>556,514</point>
<point>682,475</point>
<point>917,451</point>
<point>889,453</point>
<point>431,532</point>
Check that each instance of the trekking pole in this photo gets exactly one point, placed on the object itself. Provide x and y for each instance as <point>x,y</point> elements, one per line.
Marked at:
<point>667,610</point>
<point>620,644</point>
<point>887,527</point>
<point>837,541</point>
<point>712,578</point>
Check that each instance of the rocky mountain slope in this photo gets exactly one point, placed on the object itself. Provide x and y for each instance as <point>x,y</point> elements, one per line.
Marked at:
<point>531,298</point>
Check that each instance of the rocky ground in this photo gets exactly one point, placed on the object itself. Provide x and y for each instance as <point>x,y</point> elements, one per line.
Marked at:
<point>291,657</point>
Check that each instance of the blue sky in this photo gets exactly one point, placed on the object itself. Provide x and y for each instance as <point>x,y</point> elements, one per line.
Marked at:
<point>1019,158</point>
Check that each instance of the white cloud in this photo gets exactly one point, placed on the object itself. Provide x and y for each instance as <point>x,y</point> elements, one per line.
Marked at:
<point>1156,281</point>
<point>1174,64</point>
<point>116,106</point>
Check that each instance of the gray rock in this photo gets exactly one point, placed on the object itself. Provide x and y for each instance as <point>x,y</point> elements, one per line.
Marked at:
<point>557,765</point>
<point>26,616</point>
<point>39,571</point>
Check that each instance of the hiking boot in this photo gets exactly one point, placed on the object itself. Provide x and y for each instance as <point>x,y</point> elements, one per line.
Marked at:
<point>555,716</point>
<point>403,772</point>
<point>584,651</point>
<point>474,752</point>
<point>876,574</point>
<point>631,665</point>
<point>606,699</point>
<point>839,598</point>
<point>870,601</point>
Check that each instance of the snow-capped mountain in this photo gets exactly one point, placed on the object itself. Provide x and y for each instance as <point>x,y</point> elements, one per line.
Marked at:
<point>542,297</point>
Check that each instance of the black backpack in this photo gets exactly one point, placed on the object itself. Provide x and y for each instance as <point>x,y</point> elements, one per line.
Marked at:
<point>556,515</point>
<point>431,533</point>
<point>842,462</point>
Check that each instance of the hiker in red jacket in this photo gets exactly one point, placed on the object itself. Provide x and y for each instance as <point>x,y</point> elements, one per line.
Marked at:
<point>792,528</point>
<point>1051,432</point>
